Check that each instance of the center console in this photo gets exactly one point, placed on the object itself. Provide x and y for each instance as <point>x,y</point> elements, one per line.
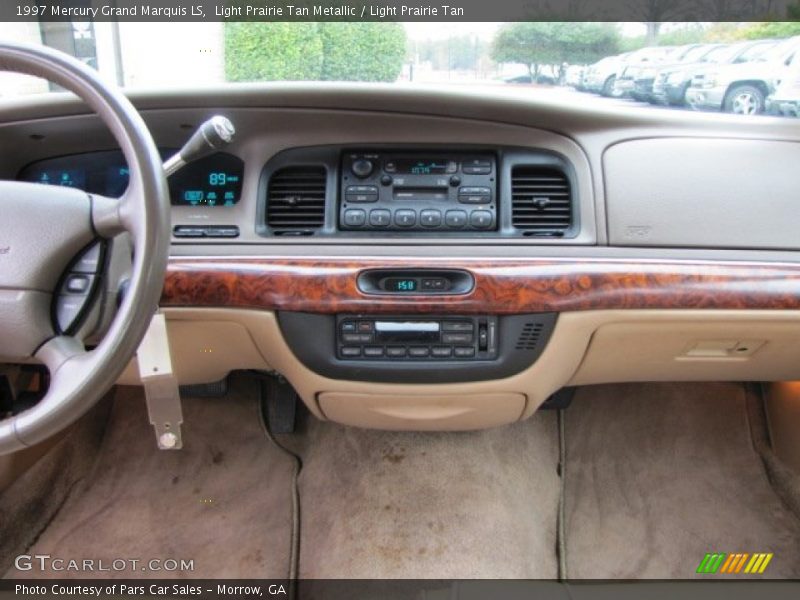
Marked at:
<point>420,348</point>
<point>404,191</point>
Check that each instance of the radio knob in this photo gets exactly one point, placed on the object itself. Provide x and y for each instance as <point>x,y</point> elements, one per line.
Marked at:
<point>362,168</point>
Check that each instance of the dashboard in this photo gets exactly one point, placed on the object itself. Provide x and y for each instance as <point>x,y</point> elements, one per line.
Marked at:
<point>452,259</point>
<point>213,181</point>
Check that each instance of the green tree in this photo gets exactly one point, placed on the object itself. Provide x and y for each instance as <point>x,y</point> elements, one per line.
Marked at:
<point>362,51</point>
<point>773,29</point>
<point>332,51</point>
<point>554,43</point>
<point>258,51</point>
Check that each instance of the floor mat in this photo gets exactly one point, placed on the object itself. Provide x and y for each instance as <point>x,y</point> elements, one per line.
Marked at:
<point>658,475</point>
<point>430,505</point>
<point>223,502</point>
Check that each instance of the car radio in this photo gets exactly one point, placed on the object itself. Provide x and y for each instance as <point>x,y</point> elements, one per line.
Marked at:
<point>437,192</point>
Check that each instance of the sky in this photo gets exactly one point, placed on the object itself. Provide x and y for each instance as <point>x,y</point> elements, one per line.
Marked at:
<point>433,31</point>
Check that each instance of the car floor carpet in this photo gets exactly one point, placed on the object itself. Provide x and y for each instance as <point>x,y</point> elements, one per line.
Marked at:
<point>658,475</point>
<point>223,501</point>
<point>380,504</point>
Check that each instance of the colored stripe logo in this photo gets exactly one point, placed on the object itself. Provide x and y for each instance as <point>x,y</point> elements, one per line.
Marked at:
<point>734,563</point>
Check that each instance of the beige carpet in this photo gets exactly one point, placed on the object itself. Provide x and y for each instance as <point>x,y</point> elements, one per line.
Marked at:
<point>430,505</point>
<point>660,474</point>
<point>223,501</point>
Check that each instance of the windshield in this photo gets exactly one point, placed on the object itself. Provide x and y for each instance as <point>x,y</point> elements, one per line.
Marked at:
<point>551,58</point>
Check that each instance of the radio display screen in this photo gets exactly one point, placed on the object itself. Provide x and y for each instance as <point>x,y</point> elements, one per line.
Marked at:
<point>421,166</point>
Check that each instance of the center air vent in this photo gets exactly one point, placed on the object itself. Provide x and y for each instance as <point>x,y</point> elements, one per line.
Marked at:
<point>296,200</point>
<point>541,200</point>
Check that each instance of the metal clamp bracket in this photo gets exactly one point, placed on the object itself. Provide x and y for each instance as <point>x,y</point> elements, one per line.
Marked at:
<point>160,385</point>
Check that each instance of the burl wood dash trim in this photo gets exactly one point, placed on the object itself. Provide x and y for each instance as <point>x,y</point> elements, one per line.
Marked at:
<point>501,286</point>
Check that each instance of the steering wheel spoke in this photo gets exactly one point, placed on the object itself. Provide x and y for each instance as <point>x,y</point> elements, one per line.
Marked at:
<point>37,256</point>
<point>60,350</point>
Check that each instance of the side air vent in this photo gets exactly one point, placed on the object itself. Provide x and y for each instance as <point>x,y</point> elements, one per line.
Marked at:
<point>541,200</point>
<point>296,200</point>
<point>529,336</point>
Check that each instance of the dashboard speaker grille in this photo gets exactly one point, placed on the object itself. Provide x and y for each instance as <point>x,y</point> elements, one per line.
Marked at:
<point>296,200</point>
<point>529,336</point>
<point>541,200</point>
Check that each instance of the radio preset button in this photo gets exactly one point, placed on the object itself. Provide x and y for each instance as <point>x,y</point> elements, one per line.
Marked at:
<point>351,351</point>
<point>418,351</point>
<point>373,351</point>
<point>355,217</point>
<point>430,218</point>
<point>405,217</point>
<point>395,351</point>
<point>455,218</point>
<point>480,219</point>
<point>441,351</point>
<point>465,351</point>
<point>380,217</point>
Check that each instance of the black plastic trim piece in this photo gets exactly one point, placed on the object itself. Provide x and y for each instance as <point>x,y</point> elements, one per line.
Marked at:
<point>372,281</point>
<point>330,157</point>
<point>312,338</point>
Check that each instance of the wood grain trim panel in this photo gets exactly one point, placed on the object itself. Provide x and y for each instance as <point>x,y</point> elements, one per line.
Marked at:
<point>501,286</point>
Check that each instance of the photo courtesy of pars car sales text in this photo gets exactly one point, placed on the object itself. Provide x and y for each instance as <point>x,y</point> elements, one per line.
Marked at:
<point>149,590</point>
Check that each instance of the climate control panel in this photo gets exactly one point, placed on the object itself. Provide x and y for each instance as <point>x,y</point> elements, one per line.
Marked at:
<point>463,338</point>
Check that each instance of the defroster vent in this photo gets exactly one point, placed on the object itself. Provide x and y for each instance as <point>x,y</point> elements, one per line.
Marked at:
<point>296,200</point>
<point>541,200</point>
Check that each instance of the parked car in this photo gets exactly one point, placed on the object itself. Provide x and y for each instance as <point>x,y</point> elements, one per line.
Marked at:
<point>645,79</point>
<point>671,84</point>
<point>635,63</point>
<point>574,77</point>
<point>786,98</point>
<point>742,88</point>
<point>601,75</point>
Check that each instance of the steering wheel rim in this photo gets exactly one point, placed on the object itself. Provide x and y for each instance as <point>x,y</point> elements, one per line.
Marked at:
<point>78,378</point>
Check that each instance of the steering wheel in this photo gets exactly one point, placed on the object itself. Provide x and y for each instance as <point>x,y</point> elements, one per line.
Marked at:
<point>43,228</point>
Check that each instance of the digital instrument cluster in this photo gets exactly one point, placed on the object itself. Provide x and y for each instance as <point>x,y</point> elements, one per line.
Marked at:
<point>212,181</point>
